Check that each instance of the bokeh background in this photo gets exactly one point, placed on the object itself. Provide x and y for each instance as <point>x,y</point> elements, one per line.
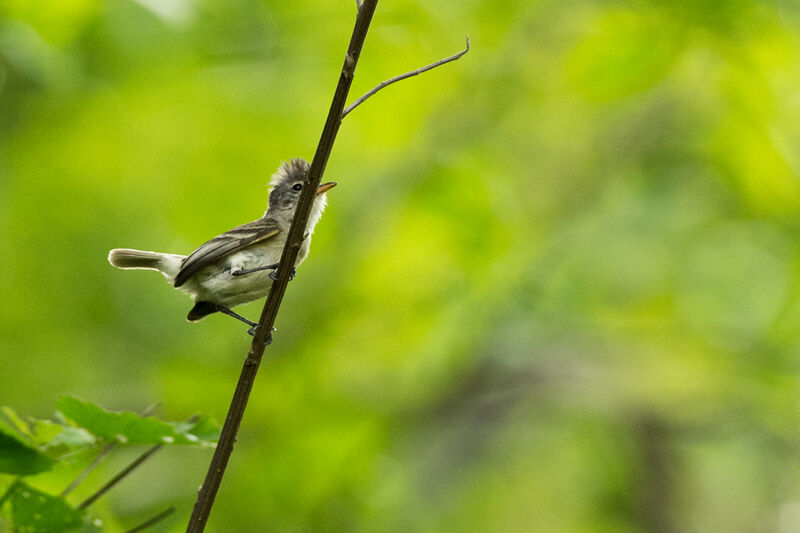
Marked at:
<point>557,288</point>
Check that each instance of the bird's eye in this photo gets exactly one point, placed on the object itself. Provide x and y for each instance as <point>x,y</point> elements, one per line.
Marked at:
<point>297,186</point>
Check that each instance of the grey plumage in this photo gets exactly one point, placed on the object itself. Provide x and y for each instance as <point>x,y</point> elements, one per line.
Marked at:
<point>222,245</point>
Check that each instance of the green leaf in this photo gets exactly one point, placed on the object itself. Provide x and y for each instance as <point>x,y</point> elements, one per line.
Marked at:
<point>45,431</point>
<point>48,436</point>
<point>71,438</point>
<point>32,510</point>
<point>204,429</point>
<point>18,457</point>
<point>131,428</point>
<point>17,421</point>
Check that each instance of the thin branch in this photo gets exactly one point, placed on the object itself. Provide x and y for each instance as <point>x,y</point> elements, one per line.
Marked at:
<point>100,456</point>
<point>294,240</point>
<point>150,409</point>
<point>91,466</point>
<point>156,519</point>
<point>116,479</point>
<point>9,490</point>
<point>401,77</point>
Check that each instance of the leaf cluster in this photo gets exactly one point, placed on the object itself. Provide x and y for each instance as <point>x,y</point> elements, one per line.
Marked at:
<point>30,446</point>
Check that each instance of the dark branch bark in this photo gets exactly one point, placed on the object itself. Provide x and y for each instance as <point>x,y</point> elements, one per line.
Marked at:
<point>208,491</point>
<point>119,477</point>
<point>153,521</point>
<point>401,77</point>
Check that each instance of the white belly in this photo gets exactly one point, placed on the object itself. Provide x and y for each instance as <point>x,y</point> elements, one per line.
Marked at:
<point>216,283</point>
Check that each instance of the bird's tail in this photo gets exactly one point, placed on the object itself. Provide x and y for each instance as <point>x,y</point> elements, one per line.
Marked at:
<point>167,264</point>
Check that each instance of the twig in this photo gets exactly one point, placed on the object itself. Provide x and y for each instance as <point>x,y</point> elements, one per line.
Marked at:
<point>100,456</point>
<point>116,479</point>
<point>222,453</point>
<point>11,488</point>
<point>156,519</point>
<point>91,466</point>
<point>401,77</point>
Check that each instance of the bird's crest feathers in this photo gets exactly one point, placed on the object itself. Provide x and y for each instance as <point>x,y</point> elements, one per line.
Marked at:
<point>292,170</point>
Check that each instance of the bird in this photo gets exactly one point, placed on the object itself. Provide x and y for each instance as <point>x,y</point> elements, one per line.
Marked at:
<point>238,266</point>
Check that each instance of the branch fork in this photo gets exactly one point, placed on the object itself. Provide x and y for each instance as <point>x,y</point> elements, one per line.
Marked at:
<point>401,77</point>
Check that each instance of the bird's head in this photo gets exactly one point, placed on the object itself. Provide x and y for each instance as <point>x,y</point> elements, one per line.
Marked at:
<point>287,184</point>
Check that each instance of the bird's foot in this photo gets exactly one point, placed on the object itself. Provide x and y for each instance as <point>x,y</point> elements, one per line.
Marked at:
<point>252,333</point>
<point>274,274</point>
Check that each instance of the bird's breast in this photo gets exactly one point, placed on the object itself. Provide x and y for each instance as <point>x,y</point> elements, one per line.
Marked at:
<point>216,283</point>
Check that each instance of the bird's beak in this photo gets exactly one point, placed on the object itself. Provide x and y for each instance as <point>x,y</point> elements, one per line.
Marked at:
<point>326,187</point>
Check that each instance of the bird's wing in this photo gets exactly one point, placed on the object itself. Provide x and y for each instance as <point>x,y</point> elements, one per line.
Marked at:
<point>222,245</point>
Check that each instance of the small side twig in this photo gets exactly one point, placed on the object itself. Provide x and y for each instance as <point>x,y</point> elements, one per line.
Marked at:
<point>116,479</point>
<point>401,77</point>
<point>156,519</point>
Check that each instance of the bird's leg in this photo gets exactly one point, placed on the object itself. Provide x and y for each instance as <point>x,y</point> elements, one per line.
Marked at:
<point>244,271</point>
<point>237,316</point>
<point>273,267</point>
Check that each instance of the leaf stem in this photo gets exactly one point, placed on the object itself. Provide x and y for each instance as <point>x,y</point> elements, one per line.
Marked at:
<point>152,521</point>
<point>116,479</point>
<point>10,489</point>
<point>86,471</point>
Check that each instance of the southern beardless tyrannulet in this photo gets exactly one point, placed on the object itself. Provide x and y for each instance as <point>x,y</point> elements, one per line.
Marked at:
<point>236,267</point>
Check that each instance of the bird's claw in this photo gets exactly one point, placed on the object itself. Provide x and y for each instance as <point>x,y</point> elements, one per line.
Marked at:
<point>274,274</point>
<point>252,333</point>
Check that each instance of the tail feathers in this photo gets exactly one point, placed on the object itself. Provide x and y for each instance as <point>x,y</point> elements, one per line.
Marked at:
<point>123,258</point>
<point>167,264</point>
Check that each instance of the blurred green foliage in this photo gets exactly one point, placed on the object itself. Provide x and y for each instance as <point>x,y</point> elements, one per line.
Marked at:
<point>82,432</point>
<point>556,290</point>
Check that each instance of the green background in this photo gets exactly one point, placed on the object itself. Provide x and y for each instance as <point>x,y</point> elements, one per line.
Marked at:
<point>556,289</point>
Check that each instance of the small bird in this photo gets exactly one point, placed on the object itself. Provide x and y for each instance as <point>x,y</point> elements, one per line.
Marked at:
<point>238,266</point>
